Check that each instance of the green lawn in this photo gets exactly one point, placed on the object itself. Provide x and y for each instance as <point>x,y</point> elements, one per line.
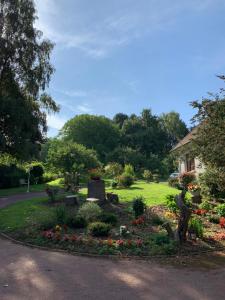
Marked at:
<point>17,215</point>
<point>153,193</point>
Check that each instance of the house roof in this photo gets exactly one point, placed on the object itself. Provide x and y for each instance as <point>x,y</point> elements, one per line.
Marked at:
<point>186,139</point>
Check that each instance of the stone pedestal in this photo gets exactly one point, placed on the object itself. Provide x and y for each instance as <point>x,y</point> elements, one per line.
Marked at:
<point>96,189</point>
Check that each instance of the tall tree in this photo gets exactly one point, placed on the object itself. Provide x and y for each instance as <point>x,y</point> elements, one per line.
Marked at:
<point>174,126</point>
<point>119,119</point>
<point>94,132</point>
<point>25,72</point>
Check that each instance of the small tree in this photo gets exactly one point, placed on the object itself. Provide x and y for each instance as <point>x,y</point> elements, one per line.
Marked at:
<point>147,175</point>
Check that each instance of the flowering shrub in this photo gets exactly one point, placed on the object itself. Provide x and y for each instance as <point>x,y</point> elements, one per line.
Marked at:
<point>219,236</point>
<point>222,222</point>
<point>169,215</point>
<point>95,174</point>
<point>99,229</point>
<point>196,227</point>
<point>138,221</point>
<point>193,187</point>
<point>186,178</point>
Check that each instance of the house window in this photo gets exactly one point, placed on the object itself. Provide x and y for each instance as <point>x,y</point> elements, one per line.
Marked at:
<point>190,164</point>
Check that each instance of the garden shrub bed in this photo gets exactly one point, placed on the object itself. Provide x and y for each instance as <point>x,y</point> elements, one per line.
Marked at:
<point>140,236</point>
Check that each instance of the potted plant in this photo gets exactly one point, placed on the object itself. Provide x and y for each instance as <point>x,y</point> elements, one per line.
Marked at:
<point>95,174</point>
<point>194,189</point>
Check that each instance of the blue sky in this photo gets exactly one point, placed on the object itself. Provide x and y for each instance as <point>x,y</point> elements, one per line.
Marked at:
<point>125,55</point>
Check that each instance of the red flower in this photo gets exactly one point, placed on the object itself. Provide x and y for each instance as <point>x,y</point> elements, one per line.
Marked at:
<point>48,234</point>
<point>138,221</point>
<point>200,212</point>
<point>120,242</point>
<point>66,238</point>
<point>222,222</point>
<point>129,243</point>
<point>220,236</point>
<point>73,238</point>
<point>65,227</point>
<point>139,242</point>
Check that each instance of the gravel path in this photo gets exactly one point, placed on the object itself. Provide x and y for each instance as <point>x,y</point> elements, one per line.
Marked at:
<point>27,273</point>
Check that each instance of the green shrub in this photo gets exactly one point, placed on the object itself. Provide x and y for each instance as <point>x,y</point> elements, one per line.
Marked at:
<point>60,214</point>
<point>11,175</point>
<point>90,211</point>
<point>171,203</point>
<point>156,178</point>
<point>108,218</point>
<point>138,206</point>
<point>147,175</point>
<point>114,184</point>
<point>36,172</point>
<point>99,229</point>
<point>76,222</point>
<point>212,183</point>
<point>186,178</point>
<point>125,180</point>
<point>220,209</point>
<point>174,182</point>
<point>113,170</point>
<point>206,205</point>
<point>160,239</point>
<point>156,220</point>
<point>195,226</point>
<point>47,223</point>
<point>129,170</point>
<point>214,219</point>
<point>48,176</point>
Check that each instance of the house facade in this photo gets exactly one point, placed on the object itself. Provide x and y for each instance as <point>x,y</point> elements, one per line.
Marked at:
<point>188,163</point>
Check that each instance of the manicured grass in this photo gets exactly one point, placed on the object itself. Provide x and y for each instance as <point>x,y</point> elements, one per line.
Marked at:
<point>153,193</point>
<point>17,216</point>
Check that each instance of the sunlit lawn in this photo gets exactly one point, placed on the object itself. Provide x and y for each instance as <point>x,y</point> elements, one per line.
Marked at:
<point>153,193</point>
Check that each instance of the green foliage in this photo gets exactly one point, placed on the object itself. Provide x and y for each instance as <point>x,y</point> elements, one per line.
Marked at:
<point>49,176</point>
<point>171,203</point>
<point>60,214</point>
<point>156,178</point>
<point>174,182</point>
<point>94,132</point>
<point>114,184</point>
<point>125,180</point>
<point>196,226</point>
<point>52,193</point>
<point>24,74</point>
<point>147,175</point>
<point>160,239</point>
<point>174,126</point>
<point>212,183</point>
<point>76,222</point>
<point>90,211</point>
<point>214,219</point>
<point>186,178</point>
<point>108,218</point>
<point>99,229</point>
<point>70,157</point>
<point>113,170</point>
<point>129,170</point>
<point>11,175</point>
<point>220,209</point>
<point>156,220</point>
<point>138,206</point>
<point>206,205</point>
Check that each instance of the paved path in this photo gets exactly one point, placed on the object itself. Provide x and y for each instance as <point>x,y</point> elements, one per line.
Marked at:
<point>7,200</point>
<point>27,273</point>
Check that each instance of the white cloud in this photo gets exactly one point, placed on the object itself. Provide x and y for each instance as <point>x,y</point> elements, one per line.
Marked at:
<point>72,93</point>
<point>97,31</point>
<point>84,108</point>
<point>55,121</point>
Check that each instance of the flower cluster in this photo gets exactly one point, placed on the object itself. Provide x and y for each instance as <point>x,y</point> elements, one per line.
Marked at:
<point>222,222</point>
<point>219,237</point>
<point>138,221</point>
<point>121,243</point>
<point>193,187</point>
<point>200,212</point>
